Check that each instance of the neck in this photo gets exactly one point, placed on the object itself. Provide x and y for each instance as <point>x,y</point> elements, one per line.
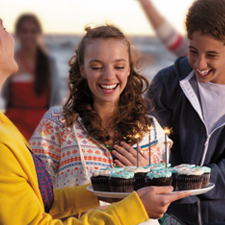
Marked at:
<point>3,78</point>
<point>106,112</point>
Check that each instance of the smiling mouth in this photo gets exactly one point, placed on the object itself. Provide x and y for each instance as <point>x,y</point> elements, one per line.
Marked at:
<point>203,72</point>
<point>108,87</point>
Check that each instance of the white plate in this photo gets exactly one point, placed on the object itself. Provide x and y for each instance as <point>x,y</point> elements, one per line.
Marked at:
<point>200,191</point>
<point>108,194</point>
<point>124,194</point>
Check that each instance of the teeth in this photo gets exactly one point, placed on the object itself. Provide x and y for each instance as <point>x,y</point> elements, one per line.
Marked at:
<point>203,72</point>
<point>108,86</point>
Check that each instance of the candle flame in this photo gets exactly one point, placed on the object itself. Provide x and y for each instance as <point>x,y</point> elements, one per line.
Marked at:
<point>150,127</point>
<point>167,130</point>
<point>137,136</point>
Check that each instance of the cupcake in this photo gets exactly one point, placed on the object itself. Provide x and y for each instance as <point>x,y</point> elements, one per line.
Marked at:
<point>139,174</point>
<point>122,181</point>
<point>100,179</point>
<point>158,166</point>
<point>206,176</point>
<point>162,177</point>
<point>189,178</point>
<point>173,170</point>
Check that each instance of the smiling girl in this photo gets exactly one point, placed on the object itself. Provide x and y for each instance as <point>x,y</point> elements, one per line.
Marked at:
<point>104,111</point>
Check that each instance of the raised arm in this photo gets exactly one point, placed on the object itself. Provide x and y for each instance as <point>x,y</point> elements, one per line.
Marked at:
<point>167,34</point>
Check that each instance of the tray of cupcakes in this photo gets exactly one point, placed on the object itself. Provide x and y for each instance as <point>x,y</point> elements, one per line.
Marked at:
<point>120,182</point>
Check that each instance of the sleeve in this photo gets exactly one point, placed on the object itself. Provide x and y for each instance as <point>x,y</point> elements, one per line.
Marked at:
<point>20,204</point>
<point>217,177</point>
<point>172,40</point>
<point>46,142</point>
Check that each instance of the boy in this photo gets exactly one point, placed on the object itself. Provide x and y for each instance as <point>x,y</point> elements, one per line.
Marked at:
<point>189,97</point>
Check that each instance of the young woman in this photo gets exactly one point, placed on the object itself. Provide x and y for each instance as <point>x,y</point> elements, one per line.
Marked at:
<point>105,111</point>
<point>34,87</point>
<point>26,193</point>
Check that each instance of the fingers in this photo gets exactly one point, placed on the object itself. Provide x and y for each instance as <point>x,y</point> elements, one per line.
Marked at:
<point>130,149</point>
<point>143,154</point>
<point>126,161</point>
<point>177,195</point>
<point>118,163</point>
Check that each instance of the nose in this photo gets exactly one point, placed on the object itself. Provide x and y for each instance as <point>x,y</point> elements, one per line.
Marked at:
<point>108,73</point>
<point>201,62</point>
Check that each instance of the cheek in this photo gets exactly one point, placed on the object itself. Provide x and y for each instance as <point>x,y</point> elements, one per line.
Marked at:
<point>191,59</point>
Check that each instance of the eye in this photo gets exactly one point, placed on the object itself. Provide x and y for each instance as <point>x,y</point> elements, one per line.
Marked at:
<point>96,67</point>
<point>211,55</point>
<point>193,52</point>
<point>119,67</point>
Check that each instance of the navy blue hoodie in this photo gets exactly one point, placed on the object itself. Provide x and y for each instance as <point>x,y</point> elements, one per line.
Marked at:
<point>173,95</point>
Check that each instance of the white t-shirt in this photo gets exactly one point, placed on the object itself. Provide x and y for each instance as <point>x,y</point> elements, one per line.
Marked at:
<point>212,98</point>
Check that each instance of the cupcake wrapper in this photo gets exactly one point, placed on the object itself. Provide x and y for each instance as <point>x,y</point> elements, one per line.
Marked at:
<point>205,180</point>
<point>100,183</point>
<point>140,175</point>
<point>188,182</point>
<point>139,183</point>
<point>121,185</point>
<point>164,181</point>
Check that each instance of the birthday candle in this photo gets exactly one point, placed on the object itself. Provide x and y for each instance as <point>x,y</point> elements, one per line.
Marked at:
<point>167,132</point>
<point>149,146</point>
<point>137,136</point>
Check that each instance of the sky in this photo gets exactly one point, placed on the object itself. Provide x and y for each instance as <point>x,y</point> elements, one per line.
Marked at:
<point>71,16</point>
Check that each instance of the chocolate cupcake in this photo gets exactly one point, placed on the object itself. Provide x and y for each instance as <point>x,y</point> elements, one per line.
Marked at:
<point>173,170</point>
<point>100,179</point>
<point>162,177</point>
<point>189,178</point>
<point>139,174</point>
<point>122,181</point>
<point>158,166</point>
<point>206,176</point>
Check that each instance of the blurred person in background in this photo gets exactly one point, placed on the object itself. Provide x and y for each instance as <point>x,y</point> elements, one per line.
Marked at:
<point>34,87</point>
<point>166,33</point>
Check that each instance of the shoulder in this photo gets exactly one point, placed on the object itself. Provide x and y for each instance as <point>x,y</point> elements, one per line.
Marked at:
<point>55,114</point>
<point>174,73</point>
<point>9,134</point>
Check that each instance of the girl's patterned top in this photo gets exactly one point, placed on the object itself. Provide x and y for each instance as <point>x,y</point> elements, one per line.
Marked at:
<point>71,155</point>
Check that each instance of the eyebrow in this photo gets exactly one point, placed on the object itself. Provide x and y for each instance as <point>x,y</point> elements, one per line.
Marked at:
<point>210,52</point>
<point>99,61</point>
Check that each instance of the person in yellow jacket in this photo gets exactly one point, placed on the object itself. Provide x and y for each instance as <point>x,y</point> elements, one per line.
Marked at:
<point>21,200</point>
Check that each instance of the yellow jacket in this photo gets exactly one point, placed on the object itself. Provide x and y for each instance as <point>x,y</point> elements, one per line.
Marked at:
<point>21,202</point>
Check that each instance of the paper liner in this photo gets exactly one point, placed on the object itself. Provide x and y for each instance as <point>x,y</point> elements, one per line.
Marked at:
<point>100,183</point>
<point>184,182</point>
<point>121,185</point>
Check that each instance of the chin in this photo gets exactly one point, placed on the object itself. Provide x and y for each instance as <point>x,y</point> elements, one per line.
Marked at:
<point>14,67</point>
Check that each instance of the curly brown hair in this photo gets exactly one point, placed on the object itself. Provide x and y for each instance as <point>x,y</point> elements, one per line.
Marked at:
<point>130,116</point>
<point>207,17</point>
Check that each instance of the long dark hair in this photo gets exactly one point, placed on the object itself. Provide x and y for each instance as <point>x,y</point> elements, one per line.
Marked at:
<point>42,70</point>
<point>130,117</point>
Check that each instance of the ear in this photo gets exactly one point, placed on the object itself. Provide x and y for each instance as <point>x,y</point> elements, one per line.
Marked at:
<point>82,72</point>
<point>128,72</point>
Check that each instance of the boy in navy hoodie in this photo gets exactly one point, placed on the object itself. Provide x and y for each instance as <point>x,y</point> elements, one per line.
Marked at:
<point>189,97</point>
